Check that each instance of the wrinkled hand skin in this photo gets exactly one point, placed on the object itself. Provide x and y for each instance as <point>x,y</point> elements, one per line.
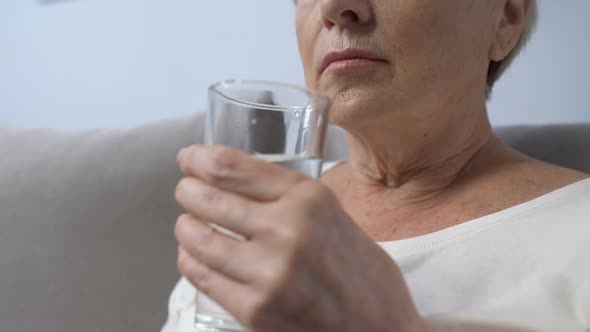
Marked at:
<point>303,264</point>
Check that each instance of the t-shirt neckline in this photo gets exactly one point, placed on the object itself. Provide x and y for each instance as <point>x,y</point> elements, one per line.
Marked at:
<point>471,227</point>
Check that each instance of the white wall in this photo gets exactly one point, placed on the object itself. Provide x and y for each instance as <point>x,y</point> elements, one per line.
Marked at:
<point>550,81</point>
<point>96,63</point>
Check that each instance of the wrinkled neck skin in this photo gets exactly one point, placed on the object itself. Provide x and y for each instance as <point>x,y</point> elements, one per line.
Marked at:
<point>419,154</point>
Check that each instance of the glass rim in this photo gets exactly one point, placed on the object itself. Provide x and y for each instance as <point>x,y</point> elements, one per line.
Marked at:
<point>316,100</point>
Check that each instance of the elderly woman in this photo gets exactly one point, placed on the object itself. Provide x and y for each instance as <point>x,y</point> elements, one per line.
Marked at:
<point>432,223</point>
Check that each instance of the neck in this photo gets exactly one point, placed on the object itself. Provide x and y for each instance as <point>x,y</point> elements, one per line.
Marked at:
<point>415,172</point>
<point>416,156</point>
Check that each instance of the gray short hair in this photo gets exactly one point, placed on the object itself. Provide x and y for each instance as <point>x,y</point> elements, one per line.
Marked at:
<point>497,69</point>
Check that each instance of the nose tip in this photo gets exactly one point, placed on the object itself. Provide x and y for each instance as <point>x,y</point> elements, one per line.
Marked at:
<point>346,13</point>
<point>345,18</point>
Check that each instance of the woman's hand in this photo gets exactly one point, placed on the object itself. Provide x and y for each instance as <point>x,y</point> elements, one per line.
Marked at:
<point>304,266</point>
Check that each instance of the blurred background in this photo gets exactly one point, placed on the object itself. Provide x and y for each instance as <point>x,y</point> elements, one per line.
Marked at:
<point>118,63</point>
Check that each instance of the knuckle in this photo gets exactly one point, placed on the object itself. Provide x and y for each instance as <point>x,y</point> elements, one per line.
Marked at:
<point>224,263</point>
<point>314,202</point>
<point>208,196</point>
<point>223,163</point>
<point>201,278</point>
<point>204,241</point>
<point>289,233</point>
<point>302,222</point>
<point>197,273</point>
<point>279,271</point>
<point>292,233</point>
<point>316,194</point>
<point>183,264</point>
<point>185,156</point>
<point>179,226</point>
<point>273,273</point>
<point>182,189</point>
<point>266,275</point>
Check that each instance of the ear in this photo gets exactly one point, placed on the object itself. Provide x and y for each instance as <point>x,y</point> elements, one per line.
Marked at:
<point>510,27</point>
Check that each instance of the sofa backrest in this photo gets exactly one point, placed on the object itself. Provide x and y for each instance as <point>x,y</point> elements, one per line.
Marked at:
<point>566,145</point>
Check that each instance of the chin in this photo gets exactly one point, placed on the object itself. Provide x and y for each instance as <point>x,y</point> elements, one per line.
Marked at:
<point>358,107</point>
<point>357,100</point>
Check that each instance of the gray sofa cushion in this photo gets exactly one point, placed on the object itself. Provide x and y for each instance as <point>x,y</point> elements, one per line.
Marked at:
<point>86,220</point>
<point>86,227</point>
<point>564,145</point>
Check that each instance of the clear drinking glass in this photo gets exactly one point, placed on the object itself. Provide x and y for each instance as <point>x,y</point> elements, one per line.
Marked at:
<point>277,122</point>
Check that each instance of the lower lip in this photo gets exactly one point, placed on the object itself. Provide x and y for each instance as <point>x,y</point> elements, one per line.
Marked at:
<point>353,64</point>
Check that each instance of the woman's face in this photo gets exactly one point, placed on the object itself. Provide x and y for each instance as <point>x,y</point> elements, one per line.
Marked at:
<point>413,51</point>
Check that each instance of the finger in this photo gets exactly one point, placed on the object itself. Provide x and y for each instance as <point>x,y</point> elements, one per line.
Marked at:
<point>219,252</point>
<point>234,296</point>
<point>223,208</point>
<point>234,170</point>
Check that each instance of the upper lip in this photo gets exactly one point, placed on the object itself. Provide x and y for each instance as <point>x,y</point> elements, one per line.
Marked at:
<point>347,54</point>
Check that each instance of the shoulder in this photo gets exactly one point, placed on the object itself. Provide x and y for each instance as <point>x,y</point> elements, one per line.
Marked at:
<point>562,199</point>
<point>544,177</point>
<point>521,178</point>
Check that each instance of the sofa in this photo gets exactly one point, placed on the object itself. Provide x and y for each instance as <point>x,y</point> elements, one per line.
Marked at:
<point>86,219</point>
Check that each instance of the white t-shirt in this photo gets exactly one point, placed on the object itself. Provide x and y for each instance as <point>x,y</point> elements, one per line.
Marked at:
<point>526,268</point>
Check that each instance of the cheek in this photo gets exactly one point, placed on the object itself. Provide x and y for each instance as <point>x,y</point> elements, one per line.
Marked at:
<point>417,38</point>
<point>306,38</point>
<point>430,40</point>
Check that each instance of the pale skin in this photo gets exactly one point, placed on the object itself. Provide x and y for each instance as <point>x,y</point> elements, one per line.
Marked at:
<point>422,158</point>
